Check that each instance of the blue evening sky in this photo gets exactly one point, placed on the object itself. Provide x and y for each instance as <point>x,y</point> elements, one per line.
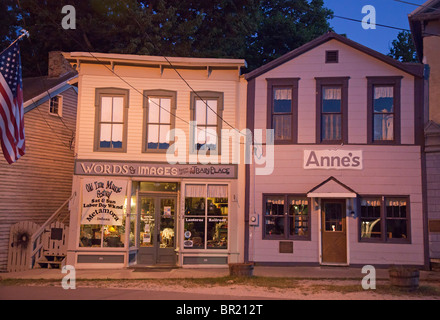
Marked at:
<point>388,12</point>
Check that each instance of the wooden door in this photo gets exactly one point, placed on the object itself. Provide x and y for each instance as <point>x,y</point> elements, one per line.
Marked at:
<point>334,231</point>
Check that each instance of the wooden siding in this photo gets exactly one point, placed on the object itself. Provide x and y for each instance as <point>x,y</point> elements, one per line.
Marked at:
<point>353,64</point>
<point>92,77</point>
<point>387,170</point>
<point>35,186</point>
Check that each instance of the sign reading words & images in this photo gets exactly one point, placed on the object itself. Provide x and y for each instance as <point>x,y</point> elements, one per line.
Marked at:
<point>103,201</point>
<point>333,159</point>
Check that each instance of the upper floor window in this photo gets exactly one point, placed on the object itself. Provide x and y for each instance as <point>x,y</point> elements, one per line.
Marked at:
<point>56,106</point>
<point>282,109</point>
<point>206,112</point>
<point>111,119</point>
<point>384,110</point>
<point>332,109</point>
<point>159,111</point>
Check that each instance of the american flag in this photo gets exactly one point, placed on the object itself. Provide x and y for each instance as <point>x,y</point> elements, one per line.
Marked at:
<point>11,104</point>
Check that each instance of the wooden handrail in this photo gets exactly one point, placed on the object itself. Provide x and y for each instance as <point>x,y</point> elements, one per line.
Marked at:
<point>36,248</point>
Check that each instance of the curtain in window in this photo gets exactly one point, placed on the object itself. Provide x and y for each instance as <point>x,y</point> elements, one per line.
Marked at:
<point>283,94</point>
<point>332,94</point>
<point>383,92</point>
<point>217,191</point>
<point>195,191</point>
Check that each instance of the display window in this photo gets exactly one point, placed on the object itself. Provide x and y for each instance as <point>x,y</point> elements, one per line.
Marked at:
<point>206,217</point>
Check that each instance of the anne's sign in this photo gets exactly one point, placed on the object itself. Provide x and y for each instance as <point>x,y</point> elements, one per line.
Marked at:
<point>164,170</point>
<point>103,201</point>
<point>333,159</point>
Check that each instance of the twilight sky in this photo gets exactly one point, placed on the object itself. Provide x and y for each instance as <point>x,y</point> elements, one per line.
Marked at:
<point>388,12</point>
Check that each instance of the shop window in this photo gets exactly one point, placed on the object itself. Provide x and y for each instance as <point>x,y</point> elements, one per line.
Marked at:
<point>385,219</point>
<point>92,235</point>
<point>332,125</point>
<point>206,217</point>
<point>111,119</point>
<point>206,113</point>
<point>282,109</point>
<point>384,110</point>
<point>159,119</point>
<point>286,217</point>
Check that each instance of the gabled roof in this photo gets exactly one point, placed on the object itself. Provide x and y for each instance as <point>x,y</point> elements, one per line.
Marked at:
<point>410,68</point>
<point>430,10</point>
<point>331,188</point>
<point>38,90</point>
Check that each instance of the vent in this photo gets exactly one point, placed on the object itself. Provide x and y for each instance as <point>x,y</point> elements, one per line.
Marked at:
<point>332,56</point>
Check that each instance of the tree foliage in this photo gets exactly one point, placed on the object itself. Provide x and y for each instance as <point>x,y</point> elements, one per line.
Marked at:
<point>256,30</point>
<point>403,48</point>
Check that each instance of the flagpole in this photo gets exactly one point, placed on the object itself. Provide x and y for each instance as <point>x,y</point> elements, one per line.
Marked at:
<point>23,33</point>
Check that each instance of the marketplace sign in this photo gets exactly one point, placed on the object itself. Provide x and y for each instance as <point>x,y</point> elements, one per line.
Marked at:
<point>103,201</point>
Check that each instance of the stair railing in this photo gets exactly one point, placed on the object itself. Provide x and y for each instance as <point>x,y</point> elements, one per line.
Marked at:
<point>36,239</point>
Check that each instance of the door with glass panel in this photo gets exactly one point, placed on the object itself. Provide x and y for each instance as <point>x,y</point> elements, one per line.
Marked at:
<point>157,226</point>
<point>334,232</point>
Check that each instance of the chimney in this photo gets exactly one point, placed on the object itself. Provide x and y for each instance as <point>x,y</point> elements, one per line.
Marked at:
<point>58,66</point>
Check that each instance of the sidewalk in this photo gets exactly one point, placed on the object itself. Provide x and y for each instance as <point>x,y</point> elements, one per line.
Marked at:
<point>321,272</point>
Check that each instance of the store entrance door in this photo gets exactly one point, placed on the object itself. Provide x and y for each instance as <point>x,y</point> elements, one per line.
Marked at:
<point>334,231</point>
<point>157,227</point>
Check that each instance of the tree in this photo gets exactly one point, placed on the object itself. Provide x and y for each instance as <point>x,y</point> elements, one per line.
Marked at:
<point>403,48</point>
<point>256,30</point>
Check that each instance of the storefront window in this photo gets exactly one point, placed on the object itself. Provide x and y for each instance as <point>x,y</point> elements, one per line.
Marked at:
<point>385,219</point>
<point>206,217</point>
<point>286,217</point>
<point>92,235</point>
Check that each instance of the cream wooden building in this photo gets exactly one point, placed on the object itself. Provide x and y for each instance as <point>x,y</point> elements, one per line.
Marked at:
<point>138,202</point>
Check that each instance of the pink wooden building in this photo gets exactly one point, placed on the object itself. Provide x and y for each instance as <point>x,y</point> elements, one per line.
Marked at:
<point>346,187</point>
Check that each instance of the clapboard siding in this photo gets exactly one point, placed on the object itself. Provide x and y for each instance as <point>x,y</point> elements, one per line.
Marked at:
<point>136,83</point>
<point>34,187</point>
<point>387,170</point>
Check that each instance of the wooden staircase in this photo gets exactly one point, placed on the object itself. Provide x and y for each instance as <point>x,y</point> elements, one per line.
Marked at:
<point>50,261</point>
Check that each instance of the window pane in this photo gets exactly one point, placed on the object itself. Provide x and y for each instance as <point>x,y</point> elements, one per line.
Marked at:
<point>370,218</point>
<point>211,138</point>
<point>200,112</point>
<point>282,126</point>
<point>153,136</point>
<point>396,229</point>
<point>118,109</point>
<point>331,128</point>
<point>153,110</point>
<point>106,109</point>
<point>383,127</point>
<point>90,235</point>
<point>163,141</point>
<point>194,233</point>
<point>282,102</point>
<point>165,116</point>
<point>194,206</point>
<point>212,112</point>
<point>299,216</point>
<point>117,135</point>
<point>274,225</point>
<point>114,236</point>
<point>383,99</point>
<point>333,216</point>
<point>217,233</point>
<point>105,136</point>
<point>331,99</point>
<point>275,206</point>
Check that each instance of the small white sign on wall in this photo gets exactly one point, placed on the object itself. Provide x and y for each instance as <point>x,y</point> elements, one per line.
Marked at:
<point>333,159</point>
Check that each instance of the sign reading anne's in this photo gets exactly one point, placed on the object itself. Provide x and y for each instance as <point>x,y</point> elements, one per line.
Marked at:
<point>333,159</point>
<point>103,201</point>
<point>143,169</point>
